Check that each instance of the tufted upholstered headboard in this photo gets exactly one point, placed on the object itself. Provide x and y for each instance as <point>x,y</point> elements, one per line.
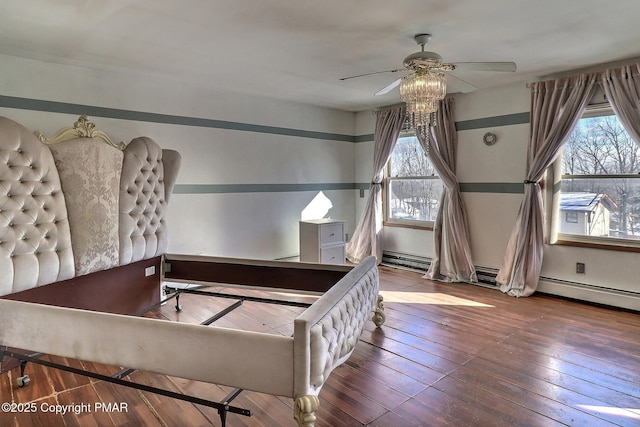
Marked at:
<point>35,241</point>
<point>77,203</point>
<point>148,176</point>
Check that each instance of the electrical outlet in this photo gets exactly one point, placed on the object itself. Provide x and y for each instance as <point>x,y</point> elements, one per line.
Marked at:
<point>580,267</point>
<point>150,271</point>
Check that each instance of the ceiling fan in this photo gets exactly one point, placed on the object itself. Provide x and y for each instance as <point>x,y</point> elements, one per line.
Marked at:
<point>431,62</point>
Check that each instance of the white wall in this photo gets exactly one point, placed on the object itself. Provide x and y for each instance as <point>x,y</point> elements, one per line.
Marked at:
<point>222,221</point>
<point>491,215</point>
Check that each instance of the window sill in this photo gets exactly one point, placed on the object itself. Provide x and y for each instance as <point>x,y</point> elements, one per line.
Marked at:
<point>407,225</point>
<point>604,245</point>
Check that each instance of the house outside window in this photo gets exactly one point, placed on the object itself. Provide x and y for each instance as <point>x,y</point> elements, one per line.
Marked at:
<point>599,188</point>
<point>412,185</point>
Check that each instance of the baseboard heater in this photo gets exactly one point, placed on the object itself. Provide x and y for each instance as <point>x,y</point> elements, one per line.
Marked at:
<point>407,261</point>
<point>627,300</point>
<point>548,285</point>
<point>486,276</point>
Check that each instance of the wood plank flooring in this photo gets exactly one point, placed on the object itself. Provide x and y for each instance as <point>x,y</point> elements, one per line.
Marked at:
<point>448,355</point>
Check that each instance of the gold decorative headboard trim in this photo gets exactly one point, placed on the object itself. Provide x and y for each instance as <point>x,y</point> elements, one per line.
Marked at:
<point>83,128</point>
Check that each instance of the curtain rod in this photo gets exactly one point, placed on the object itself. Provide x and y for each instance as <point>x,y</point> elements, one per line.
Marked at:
<point>388,107</point>
<point>597,70</point>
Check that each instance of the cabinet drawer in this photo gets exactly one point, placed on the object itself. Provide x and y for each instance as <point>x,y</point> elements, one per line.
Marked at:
<point>332,255</point>
<point>331,233</point>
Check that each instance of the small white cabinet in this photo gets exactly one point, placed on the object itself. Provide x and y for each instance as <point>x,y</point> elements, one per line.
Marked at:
<point>322,241</point>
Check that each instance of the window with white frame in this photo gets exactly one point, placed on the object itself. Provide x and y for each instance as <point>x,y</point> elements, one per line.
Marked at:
<point>599,188</point>
<point>413,187</point>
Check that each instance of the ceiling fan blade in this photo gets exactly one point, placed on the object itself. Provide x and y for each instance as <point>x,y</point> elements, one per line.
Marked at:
<point>487,66</point>
<point>456,84</point>
<point>370,74</point>
<point>388,88</point>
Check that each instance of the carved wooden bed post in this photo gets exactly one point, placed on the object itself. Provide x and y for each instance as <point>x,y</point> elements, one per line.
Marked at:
<point>305,409</point>
<point>379,316</point>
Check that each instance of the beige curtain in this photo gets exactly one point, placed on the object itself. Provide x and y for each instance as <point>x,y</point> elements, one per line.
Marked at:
<point>367,237</point>
<point>452,258</point>
<point>556,107</point>
<point>622,88</point>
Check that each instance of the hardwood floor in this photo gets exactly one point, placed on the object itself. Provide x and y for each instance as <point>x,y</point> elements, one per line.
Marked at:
<point>448,355</point>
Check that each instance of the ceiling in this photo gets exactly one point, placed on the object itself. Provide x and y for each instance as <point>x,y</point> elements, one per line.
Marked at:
<point>298,50</point>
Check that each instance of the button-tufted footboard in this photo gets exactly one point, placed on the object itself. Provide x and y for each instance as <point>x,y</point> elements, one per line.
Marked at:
<point>326,334</point>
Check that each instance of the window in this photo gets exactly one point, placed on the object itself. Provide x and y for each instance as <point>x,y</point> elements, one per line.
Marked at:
<point>413,188</point>
<point>572,217</point>
<point>599,197</point>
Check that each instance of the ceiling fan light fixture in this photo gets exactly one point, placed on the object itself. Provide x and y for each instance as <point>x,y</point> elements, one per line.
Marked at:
<point>421,91</point>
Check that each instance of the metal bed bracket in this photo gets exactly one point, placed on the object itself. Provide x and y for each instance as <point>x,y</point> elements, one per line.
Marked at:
<point>222,407</point>
<point>171,290</point>
<point>23,380</point>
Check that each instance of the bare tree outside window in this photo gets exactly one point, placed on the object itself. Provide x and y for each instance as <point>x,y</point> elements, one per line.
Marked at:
<point>413,186</point>
<point>601,180</point>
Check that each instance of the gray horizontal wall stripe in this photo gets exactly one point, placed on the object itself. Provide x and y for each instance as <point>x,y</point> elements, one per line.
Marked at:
<point>259,188</point>
<point>364,138</point>
<point>485,122</point>
<point>488,122</point>
<point>492,187</point>
<point>141,116</point>
<point>465,187</point>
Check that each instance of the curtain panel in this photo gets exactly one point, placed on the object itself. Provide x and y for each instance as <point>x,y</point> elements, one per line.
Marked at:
<point>556,107</point>
<point>367,237</point>
<point>622,88</point>
<point>452,254</point>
